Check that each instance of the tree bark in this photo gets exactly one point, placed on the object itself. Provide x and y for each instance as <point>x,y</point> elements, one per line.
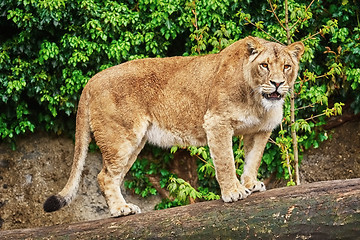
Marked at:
<point>322,210</point>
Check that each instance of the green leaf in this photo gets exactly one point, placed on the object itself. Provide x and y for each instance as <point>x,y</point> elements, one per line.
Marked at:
<point>173,149</point>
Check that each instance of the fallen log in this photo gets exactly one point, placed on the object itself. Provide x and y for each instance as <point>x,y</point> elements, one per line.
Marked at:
<point>322,210</point>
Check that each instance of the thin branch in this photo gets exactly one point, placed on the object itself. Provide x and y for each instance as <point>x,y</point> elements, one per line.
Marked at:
<point>264,31</point>
<point>287,23</point>
<point>197,155</point>
<point>313,117</point>
<point>310,105</point>
<point>289,166</point>
<point>300,18</point>
<point>292,104</point>
<point>310,37</point>
<point>200,158</point>
<point>328,112</point>
<point>316,77</point>
<point>273,11</point>
<point>284,149</point>
<point>195,24</point>
<point>273,142</point>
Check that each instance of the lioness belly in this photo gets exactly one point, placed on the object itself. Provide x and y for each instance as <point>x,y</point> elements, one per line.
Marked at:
<point>165,138</point>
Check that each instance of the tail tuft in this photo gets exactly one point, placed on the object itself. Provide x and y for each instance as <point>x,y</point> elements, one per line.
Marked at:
<point>54,203</point>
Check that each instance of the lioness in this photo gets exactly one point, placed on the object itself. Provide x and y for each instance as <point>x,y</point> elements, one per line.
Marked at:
<point>183,101</point>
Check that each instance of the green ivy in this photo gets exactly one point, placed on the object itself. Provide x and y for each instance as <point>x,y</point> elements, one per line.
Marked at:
<point>141,183</point>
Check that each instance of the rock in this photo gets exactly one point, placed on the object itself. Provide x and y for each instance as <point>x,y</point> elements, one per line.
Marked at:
<point>39,168</point>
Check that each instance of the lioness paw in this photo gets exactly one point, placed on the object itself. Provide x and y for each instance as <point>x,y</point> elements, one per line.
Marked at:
<point>256,186</point>
<point>127,209</point>
<point>235,195</point>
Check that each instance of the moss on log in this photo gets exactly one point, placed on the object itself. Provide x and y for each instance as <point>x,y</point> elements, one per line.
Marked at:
<point>322,210</point>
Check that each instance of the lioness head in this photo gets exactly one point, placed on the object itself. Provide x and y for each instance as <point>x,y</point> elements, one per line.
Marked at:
<point>274,68</point>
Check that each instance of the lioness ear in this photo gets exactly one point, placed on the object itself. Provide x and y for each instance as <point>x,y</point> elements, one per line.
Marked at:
<point>296,49</point>
<point>254,47</point>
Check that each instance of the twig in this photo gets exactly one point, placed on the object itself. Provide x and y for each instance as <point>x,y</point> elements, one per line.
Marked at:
<point>287,156</point>
<point>287,23</point>
<point>240,140</point>
<point>289,167</point>
<point>273,142</point>
<point>319,32</point>
<point>195,24</point>
<point>200,158</point>
<point>316,116</point>
<point>300,18</point>
<point>264,31</point>
<point>310,105</point>
<point>273,11</point>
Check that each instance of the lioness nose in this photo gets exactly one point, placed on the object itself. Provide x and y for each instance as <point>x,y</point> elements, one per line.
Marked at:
<point>277,84</point>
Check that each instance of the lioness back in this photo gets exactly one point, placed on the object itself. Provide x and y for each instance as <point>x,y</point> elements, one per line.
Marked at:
<point>171,93</point>
<point>183,101</point>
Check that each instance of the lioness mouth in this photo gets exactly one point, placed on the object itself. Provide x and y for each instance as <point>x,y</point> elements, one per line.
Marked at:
<point>272,96</point>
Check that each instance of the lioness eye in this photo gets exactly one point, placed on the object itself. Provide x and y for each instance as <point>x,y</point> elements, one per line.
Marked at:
<point>264,65</point>
<point>287,67</point>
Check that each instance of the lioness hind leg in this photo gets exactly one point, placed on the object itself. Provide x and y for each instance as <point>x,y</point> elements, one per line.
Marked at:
<point>116,163</point>
<point>254,147</point>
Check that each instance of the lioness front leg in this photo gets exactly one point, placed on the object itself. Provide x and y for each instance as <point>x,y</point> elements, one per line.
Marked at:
<point>220,144</point>
<point>254,145</point>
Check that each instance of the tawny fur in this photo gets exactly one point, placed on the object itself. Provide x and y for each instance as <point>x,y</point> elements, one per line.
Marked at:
<point>184,101</point>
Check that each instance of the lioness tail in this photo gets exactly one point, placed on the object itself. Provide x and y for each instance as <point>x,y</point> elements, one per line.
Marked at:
<point>82,140</point>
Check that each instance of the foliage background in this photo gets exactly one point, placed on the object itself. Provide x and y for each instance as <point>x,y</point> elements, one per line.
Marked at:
<point>49,49</point>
